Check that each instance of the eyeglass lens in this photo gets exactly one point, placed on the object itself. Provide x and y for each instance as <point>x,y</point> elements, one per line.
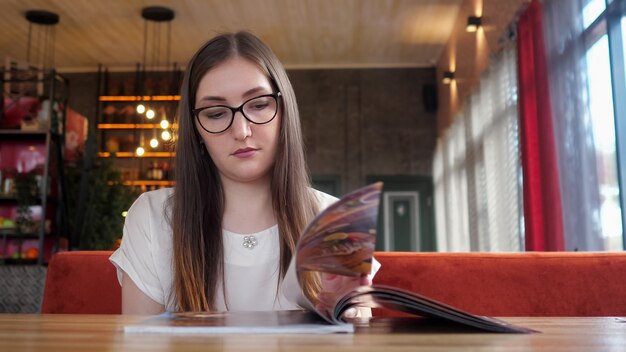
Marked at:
<point>258,110</point>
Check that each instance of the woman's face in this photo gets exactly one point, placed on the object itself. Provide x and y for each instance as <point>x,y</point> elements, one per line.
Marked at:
<point>244,152</point>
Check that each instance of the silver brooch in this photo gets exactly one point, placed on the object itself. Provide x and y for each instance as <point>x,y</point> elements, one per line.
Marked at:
<point>249,242</point>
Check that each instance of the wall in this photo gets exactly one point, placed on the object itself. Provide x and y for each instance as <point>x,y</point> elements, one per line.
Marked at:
<point>363,122</point>
<point>468,53</point>
<point>83,93</point>
<point>355,122</point>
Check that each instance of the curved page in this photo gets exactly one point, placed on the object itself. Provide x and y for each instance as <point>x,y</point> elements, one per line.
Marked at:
<point>335,251</point>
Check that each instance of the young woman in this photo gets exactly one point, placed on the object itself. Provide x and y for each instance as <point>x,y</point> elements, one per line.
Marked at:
<point>223,238</point>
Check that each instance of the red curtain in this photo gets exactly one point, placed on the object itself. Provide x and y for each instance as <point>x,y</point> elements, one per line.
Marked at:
<point>542,197</point>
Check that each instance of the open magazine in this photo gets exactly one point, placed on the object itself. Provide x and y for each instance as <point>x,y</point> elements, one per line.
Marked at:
<point>335,250</point>
<point>340,242</point>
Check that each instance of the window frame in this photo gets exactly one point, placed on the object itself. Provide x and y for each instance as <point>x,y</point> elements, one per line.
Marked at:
<point>615,10</point>
<point>609,23</point>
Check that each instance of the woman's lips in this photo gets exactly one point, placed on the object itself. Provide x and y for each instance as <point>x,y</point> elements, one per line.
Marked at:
<point>244,152</point>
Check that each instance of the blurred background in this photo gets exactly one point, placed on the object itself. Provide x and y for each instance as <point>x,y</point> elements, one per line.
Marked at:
<point>496,125</point>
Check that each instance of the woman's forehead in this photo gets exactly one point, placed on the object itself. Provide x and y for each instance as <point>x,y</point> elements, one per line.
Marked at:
<point>232,78</point>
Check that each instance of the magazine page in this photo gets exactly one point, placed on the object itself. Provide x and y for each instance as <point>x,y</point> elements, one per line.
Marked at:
<point>335,251</point>
<point>259,322</point>
<point>378,296</point>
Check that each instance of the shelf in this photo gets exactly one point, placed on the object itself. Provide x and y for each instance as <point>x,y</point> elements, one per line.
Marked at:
<point>130,126</point>
<point>20,261</point>
<point>146,183</point>
<point>133,155</point>
<point>139,98</point>
<point>19,134</point>
<point>13,199</point>
<point>13,234</point>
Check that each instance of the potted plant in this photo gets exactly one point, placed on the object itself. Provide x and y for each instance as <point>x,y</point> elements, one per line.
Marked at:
<point>107,199</point>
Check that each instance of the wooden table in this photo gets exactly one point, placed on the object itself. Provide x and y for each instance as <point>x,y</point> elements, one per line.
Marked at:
<point>31,332</point>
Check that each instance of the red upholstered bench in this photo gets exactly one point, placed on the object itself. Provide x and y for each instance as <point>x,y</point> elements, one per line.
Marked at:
<point>495,284</point>
<point>82,282</point>
<point>513,284</point>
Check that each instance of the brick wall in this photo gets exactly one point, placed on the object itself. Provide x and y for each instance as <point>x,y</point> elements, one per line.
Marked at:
<point>356,122</point>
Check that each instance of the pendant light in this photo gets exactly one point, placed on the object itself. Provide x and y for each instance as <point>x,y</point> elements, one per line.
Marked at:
<point>157,31</point>
<point>154,142</point>
<point>41,25</point>
<point>40,48</point>
<point>140,150</point>
<point>164,123</point>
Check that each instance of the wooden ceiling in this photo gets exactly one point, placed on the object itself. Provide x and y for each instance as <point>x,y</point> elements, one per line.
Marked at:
<point>303,33</point>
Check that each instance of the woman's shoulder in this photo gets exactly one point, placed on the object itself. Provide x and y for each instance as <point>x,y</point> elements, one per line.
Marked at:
<point>147,220</point>
<point>158,196</point>
<point>151,201</point>
<point>324,200</point>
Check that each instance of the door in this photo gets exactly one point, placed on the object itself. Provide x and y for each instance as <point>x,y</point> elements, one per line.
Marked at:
<point>401,220</point>
<point>406,215</point>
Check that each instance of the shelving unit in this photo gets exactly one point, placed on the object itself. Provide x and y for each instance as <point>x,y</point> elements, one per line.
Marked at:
<point>11,142</point>
<point>121,129</point>
<point>36,152</point>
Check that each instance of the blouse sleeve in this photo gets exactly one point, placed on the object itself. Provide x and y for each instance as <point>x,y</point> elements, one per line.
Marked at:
<point>135,256</point>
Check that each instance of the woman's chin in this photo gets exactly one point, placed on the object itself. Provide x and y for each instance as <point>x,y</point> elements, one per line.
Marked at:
<point>248,176</point>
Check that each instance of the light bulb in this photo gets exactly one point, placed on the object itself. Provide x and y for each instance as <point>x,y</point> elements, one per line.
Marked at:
<point>150,114</point>
<point>141,109</point>
<point>140,151</point>
<point>165,135</point>
<point>165,124</point>
<point>154,143</point>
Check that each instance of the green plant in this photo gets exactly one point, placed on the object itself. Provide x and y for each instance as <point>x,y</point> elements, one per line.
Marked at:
<point>107,199</point>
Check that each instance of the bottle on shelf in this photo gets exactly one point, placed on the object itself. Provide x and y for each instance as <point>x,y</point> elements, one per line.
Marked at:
<point>159,171</point>
<point>149,172</point>
<point>128,144</point>
<point>155,172</point>
<point>113,144</point>
<point>166,171</point>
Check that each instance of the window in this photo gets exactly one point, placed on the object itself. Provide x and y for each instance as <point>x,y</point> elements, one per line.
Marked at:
<point>623,25</point>
<point>592,10</point>
<point>603,126</point>
<point>587,72</point>
<point>605,29</point>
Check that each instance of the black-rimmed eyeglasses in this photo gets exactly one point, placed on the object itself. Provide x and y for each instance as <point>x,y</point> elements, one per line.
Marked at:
<point>218,118</point>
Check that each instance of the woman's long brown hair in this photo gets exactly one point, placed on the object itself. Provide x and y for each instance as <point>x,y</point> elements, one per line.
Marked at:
<point>198,198</point>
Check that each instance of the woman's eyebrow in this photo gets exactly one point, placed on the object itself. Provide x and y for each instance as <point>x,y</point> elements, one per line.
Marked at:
<point>210,97</point>
<point>247,93</point>
<point>254,90</point>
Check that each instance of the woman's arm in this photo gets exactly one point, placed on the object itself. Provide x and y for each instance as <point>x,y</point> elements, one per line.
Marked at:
<point>136,302</point>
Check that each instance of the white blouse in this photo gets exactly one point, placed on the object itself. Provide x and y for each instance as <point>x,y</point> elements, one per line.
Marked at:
<point>251,275</point>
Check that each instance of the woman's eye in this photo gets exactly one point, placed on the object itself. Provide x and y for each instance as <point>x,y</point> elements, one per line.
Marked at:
<point>259,106</point>
<point>214,114</point>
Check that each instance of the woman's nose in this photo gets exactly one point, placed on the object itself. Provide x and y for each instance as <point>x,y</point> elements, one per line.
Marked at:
<point>241,127</point>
